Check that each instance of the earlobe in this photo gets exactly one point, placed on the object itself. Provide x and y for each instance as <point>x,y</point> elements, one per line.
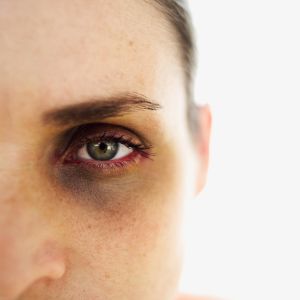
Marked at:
<point>203,144</point>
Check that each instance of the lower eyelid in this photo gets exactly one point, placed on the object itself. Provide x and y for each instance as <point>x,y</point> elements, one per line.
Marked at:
<point>99,170</point>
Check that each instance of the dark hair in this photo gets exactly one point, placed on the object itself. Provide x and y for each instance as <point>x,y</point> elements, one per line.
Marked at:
<point>178,15</point>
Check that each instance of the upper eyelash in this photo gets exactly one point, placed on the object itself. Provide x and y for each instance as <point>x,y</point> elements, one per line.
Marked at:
<point>115,138</point>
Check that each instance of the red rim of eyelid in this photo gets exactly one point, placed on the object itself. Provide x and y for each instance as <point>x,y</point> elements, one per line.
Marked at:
<point>110,164</point>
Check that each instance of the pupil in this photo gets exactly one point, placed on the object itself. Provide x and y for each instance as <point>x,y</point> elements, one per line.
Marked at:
<point>103,150</point>
<point>103,147</point>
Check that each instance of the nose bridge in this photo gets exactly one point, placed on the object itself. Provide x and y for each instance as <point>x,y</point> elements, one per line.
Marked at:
<point>11,132</point>
<point>5,111</point>
<point>10,169</point>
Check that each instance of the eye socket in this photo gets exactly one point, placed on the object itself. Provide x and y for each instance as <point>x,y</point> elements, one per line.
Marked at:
<point>104,151</point>
<point>108,149</point>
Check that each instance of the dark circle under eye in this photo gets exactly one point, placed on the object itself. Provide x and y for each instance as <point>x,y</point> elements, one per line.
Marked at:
<point>103,150</point>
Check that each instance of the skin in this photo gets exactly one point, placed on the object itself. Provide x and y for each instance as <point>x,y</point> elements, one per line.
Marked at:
<point>92,235</point>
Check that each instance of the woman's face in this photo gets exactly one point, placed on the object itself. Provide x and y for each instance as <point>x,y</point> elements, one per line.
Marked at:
<point>96,155</point>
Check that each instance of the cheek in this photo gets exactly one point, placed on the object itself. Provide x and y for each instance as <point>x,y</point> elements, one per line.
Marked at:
<point>130,249</point>
<point>137,210</point>
<point>141,207</point>
<point>125,230</point>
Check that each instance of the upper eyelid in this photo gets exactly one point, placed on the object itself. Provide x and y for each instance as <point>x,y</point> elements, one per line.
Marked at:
<point>104,136</point>
<point>96,130</point>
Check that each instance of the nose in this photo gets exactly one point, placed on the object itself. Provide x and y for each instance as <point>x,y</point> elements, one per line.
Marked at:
<point>28,254</point>
<point>30,250</point>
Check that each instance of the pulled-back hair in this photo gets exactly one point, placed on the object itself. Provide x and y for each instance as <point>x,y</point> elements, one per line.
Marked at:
<point>178,15</point>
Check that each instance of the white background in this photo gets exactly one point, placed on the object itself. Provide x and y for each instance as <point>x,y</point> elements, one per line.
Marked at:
<point>243,231</point>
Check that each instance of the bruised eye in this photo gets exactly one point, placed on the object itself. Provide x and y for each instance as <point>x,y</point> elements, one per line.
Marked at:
<point>104,151</point>
<point>109,149</point>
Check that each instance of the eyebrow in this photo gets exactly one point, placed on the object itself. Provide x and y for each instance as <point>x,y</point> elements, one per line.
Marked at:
<point>99,108</point>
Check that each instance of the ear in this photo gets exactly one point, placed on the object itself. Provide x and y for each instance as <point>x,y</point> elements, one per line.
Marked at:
<point>204,130</point>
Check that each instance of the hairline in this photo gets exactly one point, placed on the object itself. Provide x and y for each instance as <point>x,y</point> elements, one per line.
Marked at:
<point>178,15</point>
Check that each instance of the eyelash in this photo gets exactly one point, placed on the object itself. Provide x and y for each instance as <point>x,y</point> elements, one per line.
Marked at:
<point>140,151</point>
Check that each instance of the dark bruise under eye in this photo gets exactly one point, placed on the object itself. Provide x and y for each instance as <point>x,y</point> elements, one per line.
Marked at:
<point>91,180</point>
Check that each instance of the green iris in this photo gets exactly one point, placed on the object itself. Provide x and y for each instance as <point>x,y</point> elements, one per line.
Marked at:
<point>103,150</point>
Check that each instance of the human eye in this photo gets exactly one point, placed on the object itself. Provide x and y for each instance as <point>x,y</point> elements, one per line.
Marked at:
<point>104,150</point>
<point>108,148</point>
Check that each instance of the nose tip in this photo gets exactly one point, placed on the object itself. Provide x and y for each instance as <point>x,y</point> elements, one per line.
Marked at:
<point>20,271</point>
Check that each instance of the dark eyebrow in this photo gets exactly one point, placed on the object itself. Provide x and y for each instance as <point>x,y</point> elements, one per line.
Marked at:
<point>97,109</point>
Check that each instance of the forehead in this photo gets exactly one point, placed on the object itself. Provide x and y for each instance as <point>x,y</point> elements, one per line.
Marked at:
<point>63,50</point>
